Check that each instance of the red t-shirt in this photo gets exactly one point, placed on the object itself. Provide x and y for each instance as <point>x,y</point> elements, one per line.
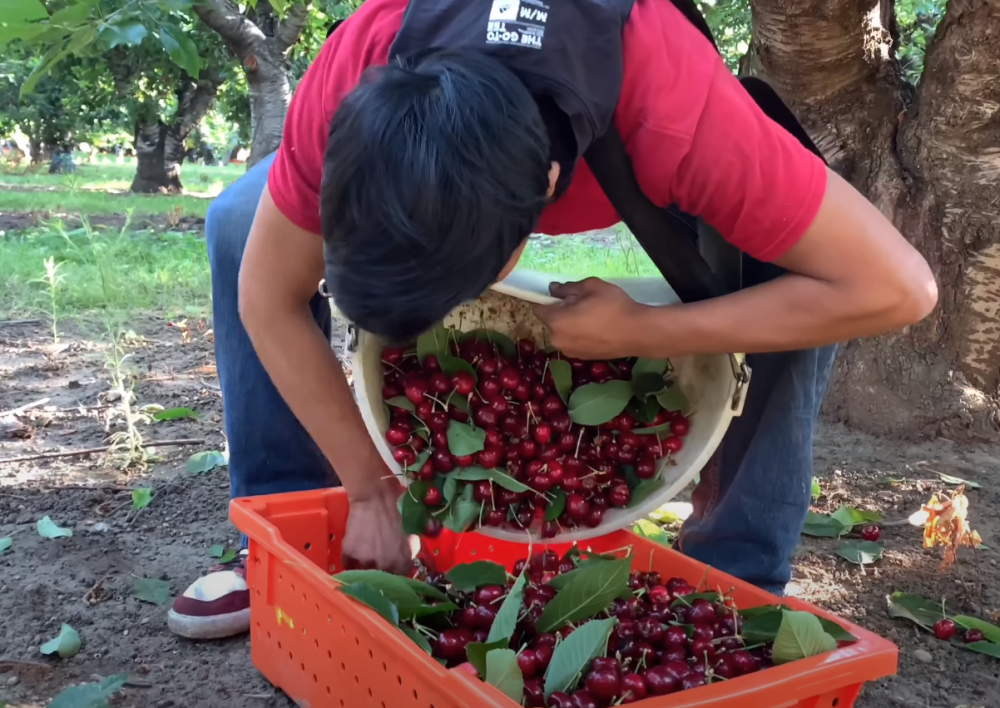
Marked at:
<point>696,139</point>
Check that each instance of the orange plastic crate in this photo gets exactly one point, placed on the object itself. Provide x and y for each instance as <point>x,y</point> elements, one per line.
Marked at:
<point>326,650</point>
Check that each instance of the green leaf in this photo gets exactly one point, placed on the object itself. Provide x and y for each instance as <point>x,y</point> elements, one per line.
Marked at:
<point>434,341</point>
<point>130,33</point>
<point>497,476</point>
<point>955,481</point>
<point>394,587</point>
<point>12,11</point>
<point>688,600</point>
<point>510,609</point>
<point>823,526</point>
<point>573,655</point>
<point>643,490</point>
<point>815,492</point>
<point>419,639</point>
<point>562,377</point>
<point>557,506</point>
<point>201,462</point>
<point>422,611</point>
<point>367,595</point>
<point>596,404</point>
<point>462,511</point>
<point>66,644</point>
<point>644,411</point>
<point>466,577</point>
<point>586,592</point>
<point>860,552</point>
<point>649,366</point>
<point>451,365</point>
<point>647,385</point>
<point>216,551</point>
<point>476,653</point>
<point>990,631</point>
<point>141,498</point>
<point>801,636</point>
<point>463,439</point>
<point>412,508</point>
<point>175,414</point>
<point>916,609</point>
<point>987,648</point>
<point>278,6</point>
<point>90,695</point>
<point>654,430</point>
<point>850,517</point>
<point>449,488</point>
<point>5,543</point>
<point>151,590</point>
<point>644,528</point>
<point>182,50</point>
<point>53,56</point>
<point>762,624</point>
<point>501,341</point>
<point>72,15</point>
<point>673,399</point>
<point>503,672</point>
<point>47,529</point>
<point>401,402</point>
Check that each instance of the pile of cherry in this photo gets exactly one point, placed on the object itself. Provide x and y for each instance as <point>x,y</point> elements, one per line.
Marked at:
<point>665,638</point>
<point>531,458</point>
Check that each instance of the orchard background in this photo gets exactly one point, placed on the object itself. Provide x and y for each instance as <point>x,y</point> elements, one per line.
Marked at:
<point>120,120</point>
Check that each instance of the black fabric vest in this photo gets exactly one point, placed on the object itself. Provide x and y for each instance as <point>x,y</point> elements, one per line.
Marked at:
<point>569,50</point>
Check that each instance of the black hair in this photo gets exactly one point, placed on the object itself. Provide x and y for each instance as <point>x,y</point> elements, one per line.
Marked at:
<point>436,170</point>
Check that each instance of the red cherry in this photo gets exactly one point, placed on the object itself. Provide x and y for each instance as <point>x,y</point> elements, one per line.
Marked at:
<point>528,449</point>
<point>552,405</point>
<point>456,413</point>
<point>462,461</point>
<point>542,433</point>
<point>645,468</point>
<point>972,636</point>
<point>701,612</point>
<point>567,442</point>
<point>433,528</point>
<point>482,492</point>
<point>673,444</point>
<point>871,533</point>
<point>651,630</point>
<point>561,700</point>
<point>437,421</point>
<point>702,649</point>
<point>595,517</point>
<point>675,637</point>
<point>489,387</point>
<point>431,363</point>
<point>525,348</point>
<point>680,426</point>
<point>405,456</point>
<point>464,382</point>
<point>522,391</point>
<point>577,507</point>
<point>633,688</point>
<point>742,662</point>
<point>486,417</point>
<point>439,383</point>
<point>415,390</point>
<point>544,654</point>
<point>396,436</point>
<point>944,629</point>
<point>619,495</point>
<point>494,439</point>
<point>583,699</point>
<point>451,644</point>
<point>488,458</point>
<point>528,663</point>
<point>495,518</point>
<point>424,409</point>
<point>550,529</point>
<point>556,473</point>
<point>442,461</point>
<point>660,680</point>
<point>509,379</point>
<point>432,497</point>
<point>392,355</point>
<point>702,631</point>
<point>692,680</point>
<point>391,391</point>
<point>426,472</point>
<point>604,686</point>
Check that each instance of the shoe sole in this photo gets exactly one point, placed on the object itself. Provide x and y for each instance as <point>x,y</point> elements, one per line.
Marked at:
<point>217,627</point>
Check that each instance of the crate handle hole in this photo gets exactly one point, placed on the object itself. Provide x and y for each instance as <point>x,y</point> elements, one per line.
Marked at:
<point>315,678</point>
<point>308,546</point>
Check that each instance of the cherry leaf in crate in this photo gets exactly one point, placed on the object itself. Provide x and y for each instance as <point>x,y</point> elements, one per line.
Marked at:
<point>434,342</point>
<point>501,341</point>
<point>573,655</point>
<point>597,403</point>
<point>800,636</point>
<point>505,622</point>
<point>647,385</point>
<point>562,377</point>
<point>417,638</point>
<point>557,506</point>
<point>762,623</point>
<point>368,595</point>
<point>449,487</point>
<point>643,490</point>
<point>462,511</point>
<point>422,457</point>
<point>649,366</point>
<point>860,552</point>
<point>497,476</point>
<point>990,631</point>
<point>503,672</point>
<point>394,587</point>
<point>412,508</point>
<point>585,592</point>
<point>654,430</point>
<point>476,653</point>
<point>466,577</point>
<point>463,439</point>
<point>644,411</point>
<point>451,365</point>
<point>673,399</point>
<point>401,402</point>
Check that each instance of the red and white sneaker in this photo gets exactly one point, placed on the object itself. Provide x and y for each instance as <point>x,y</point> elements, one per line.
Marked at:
<point>214,606</point>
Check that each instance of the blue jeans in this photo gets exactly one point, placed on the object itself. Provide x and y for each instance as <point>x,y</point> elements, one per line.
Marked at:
<point>749,506</point>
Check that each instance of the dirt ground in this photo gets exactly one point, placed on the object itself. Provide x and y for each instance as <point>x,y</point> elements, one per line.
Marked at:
<point>87,580</point>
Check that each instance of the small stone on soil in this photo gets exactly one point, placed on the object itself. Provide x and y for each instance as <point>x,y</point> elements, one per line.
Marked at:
<point>923,656</point>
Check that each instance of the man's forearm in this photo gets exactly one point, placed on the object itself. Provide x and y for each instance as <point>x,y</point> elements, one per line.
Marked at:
<point>306,372</point>
<point>788,313</point>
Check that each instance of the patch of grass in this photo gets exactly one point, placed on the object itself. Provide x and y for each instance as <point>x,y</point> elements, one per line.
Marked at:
<point>87,202</point>
<point>146,271</point>
<point>615,256</point>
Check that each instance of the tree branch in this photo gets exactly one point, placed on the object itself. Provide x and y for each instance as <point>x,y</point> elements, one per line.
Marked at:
<point>290,28</point>
<point>224,17</point>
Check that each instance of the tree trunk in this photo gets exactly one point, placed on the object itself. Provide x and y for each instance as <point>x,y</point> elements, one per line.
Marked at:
<point>260,41</point>
<point>930,160</point>
<point>160,148</point>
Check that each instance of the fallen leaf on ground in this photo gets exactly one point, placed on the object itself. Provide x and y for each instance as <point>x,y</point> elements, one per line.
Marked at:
<point>66,644</point>
<point>152,590</point>
<point>47,528</point>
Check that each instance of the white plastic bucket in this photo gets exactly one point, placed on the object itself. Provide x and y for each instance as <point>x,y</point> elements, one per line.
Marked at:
<point>715,385</point>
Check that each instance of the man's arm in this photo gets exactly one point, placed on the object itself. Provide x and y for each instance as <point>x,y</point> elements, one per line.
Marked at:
<point>280,273</point>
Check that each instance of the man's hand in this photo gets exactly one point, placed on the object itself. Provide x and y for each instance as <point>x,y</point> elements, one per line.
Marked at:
<point>595,320</point>
<point>374,539</point>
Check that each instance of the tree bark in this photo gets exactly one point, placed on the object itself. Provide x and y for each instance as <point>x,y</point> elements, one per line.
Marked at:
<point>260,41</point>
<point>159,147</point>
<point>930,160</point>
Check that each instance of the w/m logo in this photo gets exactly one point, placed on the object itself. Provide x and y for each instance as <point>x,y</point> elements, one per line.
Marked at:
<point>505,10</point>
